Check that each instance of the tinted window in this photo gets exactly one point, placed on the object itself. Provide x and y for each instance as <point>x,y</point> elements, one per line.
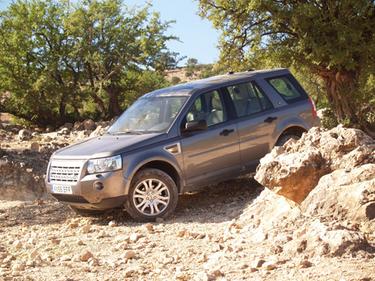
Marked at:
<point>248,99</point>
<point>209,107</point>
<point>264,101</point>
<point>285,87</point>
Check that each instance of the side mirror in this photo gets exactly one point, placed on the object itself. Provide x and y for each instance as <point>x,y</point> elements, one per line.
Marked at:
<point>193,126</point>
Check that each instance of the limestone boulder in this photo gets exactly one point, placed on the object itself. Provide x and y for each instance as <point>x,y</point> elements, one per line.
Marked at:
<point>344,194</point>
<point>89,125</point>
<point>296,168</point>
<point>24,135</point>
<point>292,174</point>
<point>22,175</point>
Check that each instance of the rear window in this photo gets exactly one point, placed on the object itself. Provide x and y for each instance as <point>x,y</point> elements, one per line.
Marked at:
<point>288,88</point>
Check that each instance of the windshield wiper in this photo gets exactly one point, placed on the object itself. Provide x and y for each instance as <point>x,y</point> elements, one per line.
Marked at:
<point>125,133</point>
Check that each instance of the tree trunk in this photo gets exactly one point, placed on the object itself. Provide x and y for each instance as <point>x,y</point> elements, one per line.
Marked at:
<point>93,93</point>
<point>99,102</point>
<point>114,105</point>
<point>62,109</point>
<point>341,87</point>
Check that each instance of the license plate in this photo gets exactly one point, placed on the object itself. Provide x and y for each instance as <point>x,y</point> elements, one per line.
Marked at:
<point>66,189</point>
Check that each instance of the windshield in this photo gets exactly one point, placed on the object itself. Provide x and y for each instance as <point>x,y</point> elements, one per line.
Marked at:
<point>148,115</point>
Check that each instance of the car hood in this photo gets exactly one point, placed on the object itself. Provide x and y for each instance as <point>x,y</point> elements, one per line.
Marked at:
<point>107,145</point>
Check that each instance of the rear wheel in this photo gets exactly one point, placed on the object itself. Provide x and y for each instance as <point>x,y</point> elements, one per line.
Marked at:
<point>153,194</point>
<point>283,139</point>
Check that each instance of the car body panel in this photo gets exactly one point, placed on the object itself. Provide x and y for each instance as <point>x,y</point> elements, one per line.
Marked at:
<point>203,150</point>
<point>107,145</point>
<point>134,161</point>
<point>254,134</point>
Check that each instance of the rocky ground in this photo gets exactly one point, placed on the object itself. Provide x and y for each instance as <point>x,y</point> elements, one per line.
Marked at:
<point>235,231</point>
<point>210,237</point>
<point>24,155</point>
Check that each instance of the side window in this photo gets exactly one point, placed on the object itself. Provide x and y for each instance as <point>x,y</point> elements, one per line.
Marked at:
<point>264,101</point>
<point>209,107</point>
<point>248,99</point>
<point>285,87</point>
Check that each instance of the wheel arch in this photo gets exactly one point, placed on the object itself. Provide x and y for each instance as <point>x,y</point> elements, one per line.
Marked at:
<point>161,164</point>
<point>293,130</point>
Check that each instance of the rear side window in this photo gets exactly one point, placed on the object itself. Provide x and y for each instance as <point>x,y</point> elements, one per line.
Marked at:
<point>287,88</point>
<point>248,99</point>
<point>264,101</point>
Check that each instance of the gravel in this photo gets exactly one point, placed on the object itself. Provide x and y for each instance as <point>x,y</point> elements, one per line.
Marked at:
<point>204,240</point>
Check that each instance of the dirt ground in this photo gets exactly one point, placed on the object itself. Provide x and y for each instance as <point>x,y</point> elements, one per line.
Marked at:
<point>45,240</point>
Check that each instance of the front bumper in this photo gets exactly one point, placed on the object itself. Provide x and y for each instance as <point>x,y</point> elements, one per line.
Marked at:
<point>81,203</point>
<point>85,192</point>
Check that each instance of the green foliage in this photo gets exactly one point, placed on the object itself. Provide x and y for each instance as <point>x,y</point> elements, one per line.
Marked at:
<point>196,69</point>
<point>63,61</point>
<point>331,41</point>
<point>175,80</point>
<point>137,84</point>
<point>328,119</point>
<point>191,67</point>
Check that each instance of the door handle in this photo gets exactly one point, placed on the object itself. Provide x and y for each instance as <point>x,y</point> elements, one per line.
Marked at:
<point>226,132</point>
<point>270,119</point>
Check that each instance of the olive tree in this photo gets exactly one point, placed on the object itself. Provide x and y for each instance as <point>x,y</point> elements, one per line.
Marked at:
<point>334,40</point>
<point>63,60</point>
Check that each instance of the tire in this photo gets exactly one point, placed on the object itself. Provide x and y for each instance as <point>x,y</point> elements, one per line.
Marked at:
<point>148,204</point>
<point>283,139</point>
<point>87,212</point>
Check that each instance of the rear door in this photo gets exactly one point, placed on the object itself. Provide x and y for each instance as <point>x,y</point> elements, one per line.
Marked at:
<point>256,122</point>
<point>213,154</point>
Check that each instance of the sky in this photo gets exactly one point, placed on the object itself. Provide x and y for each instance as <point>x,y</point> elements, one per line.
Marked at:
<point>198,38</point>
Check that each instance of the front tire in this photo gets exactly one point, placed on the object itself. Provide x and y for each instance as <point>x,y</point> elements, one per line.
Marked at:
<point>153,194</point>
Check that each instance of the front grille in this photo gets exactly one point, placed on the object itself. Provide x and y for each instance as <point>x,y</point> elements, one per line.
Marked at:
<point>65,171</point>
<point>70,198</point>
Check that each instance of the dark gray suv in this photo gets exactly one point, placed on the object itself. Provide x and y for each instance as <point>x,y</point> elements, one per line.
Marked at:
<point>180,139</point>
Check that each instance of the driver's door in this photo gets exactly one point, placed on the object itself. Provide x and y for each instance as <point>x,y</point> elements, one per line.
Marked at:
<point>211,155</point>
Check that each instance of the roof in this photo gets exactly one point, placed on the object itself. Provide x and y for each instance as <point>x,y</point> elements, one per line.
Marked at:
<point>187,89</point>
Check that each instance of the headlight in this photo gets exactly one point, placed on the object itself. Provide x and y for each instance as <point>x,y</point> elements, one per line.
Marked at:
<point>104,164</point>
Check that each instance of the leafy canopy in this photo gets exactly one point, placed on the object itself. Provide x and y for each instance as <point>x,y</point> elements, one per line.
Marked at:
<point>333,40</point>
<point>61,61</point>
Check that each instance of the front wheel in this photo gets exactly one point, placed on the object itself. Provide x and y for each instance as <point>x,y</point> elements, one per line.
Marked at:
<point>153,194</point>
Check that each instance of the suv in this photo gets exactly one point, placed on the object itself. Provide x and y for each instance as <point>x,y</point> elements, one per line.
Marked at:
<point>179,139</point>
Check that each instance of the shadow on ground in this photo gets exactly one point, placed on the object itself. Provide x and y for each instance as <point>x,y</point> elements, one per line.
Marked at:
<point>34,213</point>
<point>214,204</point>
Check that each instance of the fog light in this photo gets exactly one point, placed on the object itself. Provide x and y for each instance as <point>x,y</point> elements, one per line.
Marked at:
<point>98,185</point>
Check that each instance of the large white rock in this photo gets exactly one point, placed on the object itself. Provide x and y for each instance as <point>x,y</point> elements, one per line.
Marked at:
<point>345,194</point>
<point>296,168</point>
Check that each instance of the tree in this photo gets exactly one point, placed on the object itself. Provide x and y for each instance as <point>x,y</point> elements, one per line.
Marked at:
<point>57,59</point>
<point>175,80</point>
<point>34,61</point>
<point>167,60</point>
<point>191,67</point>
<point>332,39</point>
<point>111,42</point>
